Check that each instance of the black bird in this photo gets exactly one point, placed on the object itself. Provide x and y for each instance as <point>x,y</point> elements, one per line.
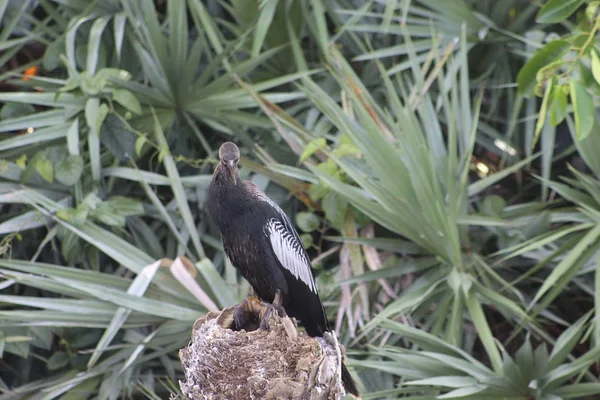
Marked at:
<point>263,245</point>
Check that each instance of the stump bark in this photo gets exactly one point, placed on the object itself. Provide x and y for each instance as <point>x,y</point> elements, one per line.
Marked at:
<point>279,363</point>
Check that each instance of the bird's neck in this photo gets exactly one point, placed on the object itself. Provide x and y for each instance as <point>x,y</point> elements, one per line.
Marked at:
<point>227,200</point>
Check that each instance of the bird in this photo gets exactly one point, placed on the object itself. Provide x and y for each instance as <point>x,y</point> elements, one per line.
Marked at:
<point>263,245</point>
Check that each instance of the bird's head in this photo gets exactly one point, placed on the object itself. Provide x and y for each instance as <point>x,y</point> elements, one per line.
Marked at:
<point>229,156</point>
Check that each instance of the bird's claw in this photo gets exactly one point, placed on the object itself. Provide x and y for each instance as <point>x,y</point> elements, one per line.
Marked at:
<point>279,310</point>
<point>276,306</point>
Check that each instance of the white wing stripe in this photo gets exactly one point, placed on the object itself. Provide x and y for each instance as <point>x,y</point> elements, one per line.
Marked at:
<point>290,253</point>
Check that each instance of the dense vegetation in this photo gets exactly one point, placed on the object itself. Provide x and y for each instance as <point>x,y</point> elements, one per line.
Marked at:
<point>440,159</point>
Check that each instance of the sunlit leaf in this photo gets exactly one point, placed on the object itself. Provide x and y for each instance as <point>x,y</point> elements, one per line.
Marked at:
<point>526,79</point>
<point>45,168</point>
<point>558,106</point>
<point>557,10</point>
<point>128,100</point>
<point>312,147</point>
<point>583,108</point>
<point>595,65</point>
<point>543,110</point>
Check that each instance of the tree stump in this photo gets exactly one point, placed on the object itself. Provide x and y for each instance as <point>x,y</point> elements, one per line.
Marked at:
<point>279,363</point>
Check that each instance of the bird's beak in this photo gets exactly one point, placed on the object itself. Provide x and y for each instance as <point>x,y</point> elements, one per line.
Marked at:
<point>232,170</point>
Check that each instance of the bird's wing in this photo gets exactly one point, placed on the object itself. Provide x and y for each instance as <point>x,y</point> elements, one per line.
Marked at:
<point>285,241</point>
<point>287,246</point>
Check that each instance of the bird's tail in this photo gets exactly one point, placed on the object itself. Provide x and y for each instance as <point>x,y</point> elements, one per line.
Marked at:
<point>348,382</point>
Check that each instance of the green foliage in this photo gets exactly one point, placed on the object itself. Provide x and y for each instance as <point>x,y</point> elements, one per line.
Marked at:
<point>556,11</point>
<point>565,66</point>
<point>454,261</point>
<point>542,58</point>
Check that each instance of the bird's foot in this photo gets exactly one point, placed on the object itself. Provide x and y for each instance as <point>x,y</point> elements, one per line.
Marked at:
<point>275,306</point>
<point>264,321</point>
<point>252,314</point>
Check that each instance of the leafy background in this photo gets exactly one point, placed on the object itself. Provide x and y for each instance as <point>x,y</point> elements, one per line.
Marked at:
<point>439,159</point>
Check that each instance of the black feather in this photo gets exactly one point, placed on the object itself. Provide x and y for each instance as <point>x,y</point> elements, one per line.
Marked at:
<point>243,214</point>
